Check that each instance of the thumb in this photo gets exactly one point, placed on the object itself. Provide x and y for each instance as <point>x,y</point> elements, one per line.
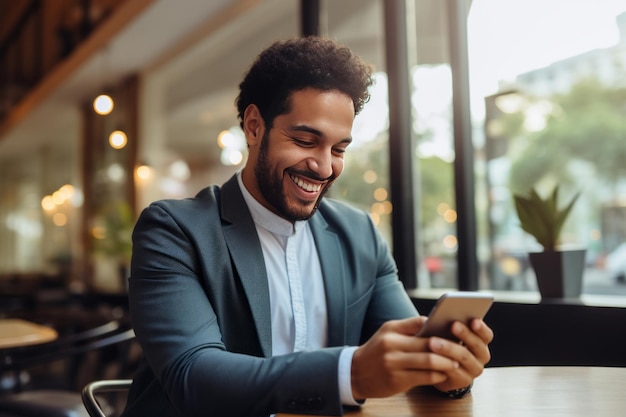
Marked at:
<point>408,326</point>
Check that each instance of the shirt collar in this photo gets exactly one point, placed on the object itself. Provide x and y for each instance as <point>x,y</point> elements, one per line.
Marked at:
<point>265,218</point>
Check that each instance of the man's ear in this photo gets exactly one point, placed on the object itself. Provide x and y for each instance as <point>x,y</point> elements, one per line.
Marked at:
<point>253,125</point>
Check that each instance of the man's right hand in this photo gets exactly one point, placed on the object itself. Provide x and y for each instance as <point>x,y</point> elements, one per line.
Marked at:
<point>395,360</point>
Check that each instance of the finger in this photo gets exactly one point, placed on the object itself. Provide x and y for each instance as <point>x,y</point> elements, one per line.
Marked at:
<point>408,326</point>
<point>454,382</point>
<point>422,320</point>
<point>425,369</point>
<point>390,343</point>
<point>468,362</point>
<point>397,371</point>
<point>477,341</point>
<point>456,375</point>
<point>400,382</point>
<point>479,327</point>
<point>426,361</point>
<point>413,378</point>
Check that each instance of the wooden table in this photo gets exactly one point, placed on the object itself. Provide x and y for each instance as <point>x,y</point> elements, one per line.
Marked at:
<point>15,334</point>
<point>516,392</point>
<point>19,333</point>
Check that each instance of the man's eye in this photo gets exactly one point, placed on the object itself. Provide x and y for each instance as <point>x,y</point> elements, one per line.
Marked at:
<point>304,143</point>
<point>339,151</point>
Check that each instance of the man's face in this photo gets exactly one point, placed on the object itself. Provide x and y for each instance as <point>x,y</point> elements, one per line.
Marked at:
<point>297,160</point>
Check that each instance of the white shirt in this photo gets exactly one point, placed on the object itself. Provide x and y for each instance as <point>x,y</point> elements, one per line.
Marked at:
<point>299,322</point>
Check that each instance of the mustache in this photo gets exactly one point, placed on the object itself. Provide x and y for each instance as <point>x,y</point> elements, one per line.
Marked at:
<point>312,175</point>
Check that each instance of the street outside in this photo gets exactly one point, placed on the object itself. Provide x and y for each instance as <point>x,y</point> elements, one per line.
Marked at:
<point>596,281</point>
<point>599,282</point>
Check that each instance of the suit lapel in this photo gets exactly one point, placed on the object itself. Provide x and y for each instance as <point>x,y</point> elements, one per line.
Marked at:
<point>245,250</point>
<point>333,271</point>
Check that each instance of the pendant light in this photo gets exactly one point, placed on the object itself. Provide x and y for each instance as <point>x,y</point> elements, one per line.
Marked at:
<point>103,104</point>
<point>118,139</point>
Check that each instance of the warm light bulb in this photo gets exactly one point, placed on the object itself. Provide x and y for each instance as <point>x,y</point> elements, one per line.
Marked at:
<point>103,104</point>
<point>227,139</point>
<point>59,219</point>
<point>47,203</point>
<point>230,157</point>
<point>117,139</point>
<point>144,172</point>
<point>370,176</point>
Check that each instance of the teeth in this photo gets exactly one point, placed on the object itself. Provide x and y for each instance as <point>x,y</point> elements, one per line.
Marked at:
<point>305,185</point>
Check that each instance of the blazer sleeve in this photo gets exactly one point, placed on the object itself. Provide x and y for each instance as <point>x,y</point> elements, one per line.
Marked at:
<point>177,327</point>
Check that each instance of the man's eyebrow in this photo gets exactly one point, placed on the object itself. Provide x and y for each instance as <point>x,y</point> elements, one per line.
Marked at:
<point>316,132</point>
<point>306,129</point>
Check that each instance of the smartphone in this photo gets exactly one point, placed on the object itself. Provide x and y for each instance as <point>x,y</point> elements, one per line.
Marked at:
<point>463,306</point>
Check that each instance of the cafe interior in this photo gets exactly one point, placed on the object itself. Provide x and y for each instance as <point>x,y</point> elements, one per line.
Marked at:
<point>109,105</point>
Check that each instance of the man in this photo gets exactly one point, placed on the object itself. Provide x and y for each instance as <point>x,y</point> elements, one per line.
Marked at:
<point>260,296</point>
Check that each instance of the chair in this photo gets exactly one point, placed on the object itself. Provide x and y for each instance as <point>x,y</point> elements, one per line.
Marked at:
<point>67,347</point>
<point>68,402</point>
<point>97,408</point>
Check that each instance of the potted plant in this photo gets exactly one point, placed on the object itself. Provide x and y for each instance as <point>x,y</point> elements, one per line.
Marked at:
<point>559,271</point>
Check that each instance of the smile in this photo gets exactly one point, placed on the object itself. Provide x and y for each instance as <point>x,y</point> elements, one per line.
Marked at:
<point>306,186</point>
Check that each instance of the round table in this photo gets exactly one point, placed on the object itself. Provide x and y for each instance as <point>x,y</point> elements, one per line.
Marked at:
<point>19,333</point>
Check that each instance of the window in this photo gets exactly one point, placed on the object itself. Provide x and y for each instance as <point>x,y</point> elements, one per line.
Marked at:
<point>40,208</point>
<point>365,180</point>
<point>545,124</point>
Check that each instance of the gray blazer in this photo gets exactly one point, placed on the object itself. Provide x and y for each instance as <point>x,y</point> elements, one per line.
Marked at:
<point>199,303</point>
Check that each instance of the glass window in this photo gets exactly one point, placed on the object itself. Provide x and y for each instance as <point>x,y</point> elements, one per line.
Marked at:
<point>548,83</point>
<point>365,180</point>
<point>40,208</point>
<point>432,125</point>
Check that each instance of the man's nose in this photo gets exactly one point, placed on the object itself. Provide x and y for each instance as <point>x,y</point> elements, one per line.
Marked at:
<point>322,164</point>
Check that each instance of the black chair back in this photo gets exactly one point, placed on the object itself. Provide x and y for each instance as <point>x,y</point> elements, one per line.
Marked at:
<point>68,402</point>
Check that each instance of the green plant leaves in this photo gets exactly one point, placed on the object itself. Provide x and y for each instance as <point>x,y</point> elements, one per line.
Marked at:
<point>541,217</point>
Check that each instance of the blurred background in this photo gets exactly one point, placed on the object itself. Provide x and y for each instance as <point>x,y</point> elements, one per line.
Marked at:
<point>494,97</point>
<point>108,105</point>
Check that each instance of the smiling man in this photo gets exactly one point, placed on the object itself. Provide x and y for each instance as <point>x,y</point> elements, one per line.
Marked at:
<point>293,164</point>
<point>261,296</point>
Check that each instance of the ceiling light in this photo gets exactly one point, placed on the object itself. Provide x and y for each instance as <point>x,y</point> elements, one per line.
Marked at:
<point>103,104</point>
<point>144,171</point>
<point>118,139</point>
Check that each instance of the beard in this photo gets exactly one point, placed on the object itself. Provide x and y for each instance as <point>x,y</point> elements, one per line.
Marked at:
<point>271,187</point>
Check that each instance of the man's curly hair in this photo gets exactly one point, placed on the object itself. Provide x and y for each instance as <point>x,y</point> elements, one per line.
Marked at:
<point>295,64</point>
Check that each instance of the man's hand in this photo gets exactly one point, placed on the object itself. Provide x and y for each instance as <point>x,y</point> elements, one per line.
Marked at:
<point>395,360</point>
<point>472,353</point>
